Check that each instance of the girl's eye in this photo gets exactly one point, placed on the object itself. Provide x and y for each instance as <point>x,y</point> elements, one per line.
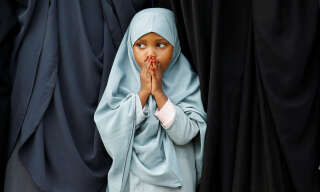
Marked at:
<point>161,45</point>
<point>141,45</point>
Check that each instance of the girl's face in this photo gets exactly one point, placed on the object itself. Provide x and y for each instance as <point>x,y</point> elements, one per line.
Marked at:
<point>152,44</point>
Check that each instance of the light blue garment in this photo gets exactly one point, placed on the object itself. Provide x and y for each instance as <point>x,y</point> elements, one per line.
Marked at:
<point>139,145</point>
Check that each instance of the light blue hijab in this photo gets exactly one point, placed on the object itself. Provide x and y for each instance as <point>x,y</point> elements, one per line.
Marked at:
<point>146,149</point>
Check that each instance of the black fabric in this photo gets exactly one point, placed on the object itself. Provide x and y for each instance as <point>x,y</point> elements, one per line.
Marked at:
<point>258,63</point>
<point>7,35</point>
<point>22,181</point>
<point>17,177</point>
<point>61,62</point>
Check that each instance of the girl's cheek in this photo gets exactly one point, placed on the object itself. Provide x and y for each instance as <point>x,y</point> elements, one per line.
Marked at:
<point>140,58</point>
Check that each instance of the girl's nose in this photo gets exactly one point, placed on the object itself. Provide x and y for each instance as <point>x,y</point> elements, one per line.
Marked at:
<point>151,52</point>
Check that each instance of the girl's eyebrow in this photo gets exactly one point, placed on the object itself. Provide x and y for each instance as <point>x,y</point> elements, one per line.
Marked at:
<point>140,41</point>
<point>161,39</point>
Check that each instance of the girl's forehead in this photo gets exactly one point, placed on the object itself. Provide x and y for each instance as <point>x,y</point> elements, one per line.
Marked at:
<point>151,36</point>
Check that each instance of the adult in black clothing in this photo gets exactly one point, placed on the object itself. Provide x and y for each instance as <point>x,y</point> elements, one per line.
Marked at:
<point>61,61</point>
<point>258,63</point>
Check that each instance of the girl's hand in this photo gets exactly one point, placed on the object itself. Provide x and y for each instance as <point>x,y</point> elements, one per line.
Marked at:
<point>156,87</point>
<point>145,81</point>
<point>156,76</point>
<point>145,78</point>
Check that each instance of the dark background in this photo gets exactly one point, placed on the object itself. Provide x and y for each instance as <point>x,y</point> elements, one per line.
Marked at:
<point>258,63</point>
<point>7,33</point>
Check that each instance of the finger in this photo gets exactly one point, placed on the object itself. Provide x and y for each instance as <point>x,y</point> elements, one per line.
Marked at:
<point>151,66</point>
<point>149,59</point>
<point>149,75</point>
<point>159,67</point>
<point>152,59</point>
<point>154,75</point>
<point>143,70</point>
<point>146,66</point>
<point>146,69</point>
<point>155,67</point>
<point>146,59</point>
<point>151,71</point>
<point>147,63</point>
<point>155,64</point>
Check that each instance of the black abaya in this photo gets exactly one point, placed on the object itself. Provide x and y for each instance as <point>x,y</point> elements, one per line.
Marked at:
<point>258,63</point>
<point>62,58</point>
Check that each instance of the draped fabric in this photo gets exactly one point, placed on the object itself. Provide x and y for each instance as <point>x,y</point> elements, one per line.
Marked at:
<point>144,148</point>
<point>7,29</point>
<point>258,63</point>
<point>61,61</point>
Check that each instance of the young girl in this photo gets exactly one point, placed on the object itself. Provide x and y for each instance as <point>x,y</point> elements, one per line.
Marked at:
<point>150,118</point>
